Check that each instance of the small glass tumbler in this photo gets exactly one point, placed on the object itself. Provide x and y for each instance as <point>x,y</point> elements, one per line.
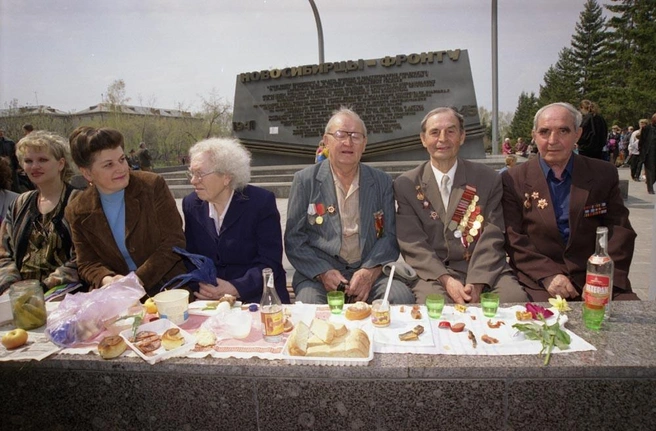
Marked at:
<point>27,304</point>
<point>336,301</point>
<point>380,313</point>
<point>490,304</point>
<point>435,305</point>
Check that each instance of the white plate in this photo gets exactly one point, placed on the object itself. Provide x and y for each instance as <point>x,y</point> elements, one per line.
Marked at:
<point>160,326</point>
<point>196,308</point>
<point>403,322</point>
<point>337,362</point>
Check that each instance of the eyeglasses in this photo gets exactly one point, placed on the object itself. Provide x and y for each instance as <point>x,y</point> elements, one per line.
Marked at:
<point>199,175</point>
<point>343,135</point>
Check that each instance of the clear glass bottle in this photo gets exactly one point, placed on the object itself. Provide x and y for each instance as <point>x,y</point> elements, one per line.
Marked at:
<point>271,309</point>
<point>27,304</point>
<point>598,289</point>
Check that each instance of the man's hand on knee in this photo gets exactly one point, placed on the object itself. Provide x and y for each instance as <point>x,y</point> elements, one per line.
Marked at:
<point>455,289</point>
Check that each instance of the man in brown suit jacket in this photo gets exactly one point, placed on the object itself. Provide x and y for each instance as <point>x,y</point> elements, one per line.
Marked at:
<point>553,205</point>
<point>456,248</point>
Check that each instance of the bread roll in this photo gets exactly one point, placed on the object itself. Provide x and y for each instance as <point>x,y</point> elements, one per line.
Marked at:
<point>228,298</point>
<point>112,347</point>
<point>147,341</point>
<point>322,329</point>
<point>172,339</point>
<point>298,340</point>
<point>358,311</point>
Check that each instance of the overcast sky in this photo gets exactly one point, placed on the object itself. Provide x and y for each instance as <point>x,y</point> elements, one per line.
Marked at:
<point>65,53</point>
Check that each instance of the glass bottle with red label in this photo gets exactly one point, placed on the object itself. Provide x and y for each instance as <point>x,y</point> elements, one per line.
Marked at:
<point>271,309</point>
<point>598,289</point>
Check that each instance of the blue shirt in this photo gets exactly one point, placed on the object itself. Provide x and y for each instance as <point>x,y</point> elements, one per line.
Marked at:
<point>560,191</point>
<point>113,205</point>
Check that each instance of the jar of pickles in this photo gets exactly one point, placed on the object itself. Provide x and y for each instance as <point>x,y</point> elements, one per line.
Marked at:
<point>27,304</point>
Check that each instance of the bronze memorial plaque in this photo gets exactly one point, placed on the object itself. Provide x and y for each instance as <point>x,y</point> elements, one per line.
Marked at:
<point>280,114</point>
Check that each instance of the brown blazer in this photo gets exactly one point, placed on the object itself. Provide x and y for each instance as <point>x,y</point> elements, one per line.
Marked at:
<point>153,227</point>
<point>533,242</point>
<point>431,248</point>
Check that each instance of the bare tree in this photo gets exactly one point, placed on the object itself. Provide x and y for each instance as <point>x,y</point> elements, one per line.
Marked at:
<point>217,113</point>
<point>116,94</point>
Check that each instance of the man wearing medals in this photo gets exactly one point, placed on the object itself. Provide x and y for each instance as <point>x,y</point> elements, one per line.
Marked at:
<point>552,207</point>
<point>450,220</point>
<point>340,221</point>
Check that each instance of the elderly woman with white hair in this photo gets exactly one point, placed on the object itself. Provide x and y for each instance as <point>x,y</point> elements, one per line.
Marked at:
<point>235,224</point>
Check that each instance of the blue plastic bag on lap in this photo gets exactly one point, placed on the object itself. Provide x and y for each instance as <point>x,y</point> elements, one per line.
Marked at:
<point>205,271</point>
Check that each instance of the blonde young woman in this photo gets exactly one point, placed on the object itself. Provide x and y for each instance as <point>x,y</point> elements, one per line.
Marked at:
<point>36,238</point>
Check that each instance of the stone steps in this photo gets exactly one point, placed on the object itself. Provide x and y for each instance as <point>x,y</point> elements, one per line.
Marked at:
<point>278,179</point>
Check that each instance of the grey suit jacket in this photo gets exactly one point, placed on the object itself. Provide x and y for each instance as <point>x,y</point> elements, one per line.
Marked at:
<point>429,246</point>
<point>314,249</point>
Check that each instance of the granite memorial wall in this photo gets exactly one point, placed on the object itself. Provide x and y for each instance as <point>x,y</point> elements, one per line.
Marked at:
<point>280,114</point>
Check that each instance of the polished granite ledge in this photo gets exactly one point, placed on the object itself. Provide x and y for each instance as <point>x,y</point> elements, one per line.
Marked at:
<point>611,388</point>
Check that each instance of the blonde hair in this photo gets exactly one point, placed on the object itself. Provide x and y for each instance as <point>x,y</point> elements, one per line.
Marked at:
<point>57,146</point>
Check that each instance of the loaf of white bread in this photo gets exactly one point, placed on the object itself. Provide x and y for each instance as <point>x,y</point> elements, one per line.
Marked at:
<point>323,339</point>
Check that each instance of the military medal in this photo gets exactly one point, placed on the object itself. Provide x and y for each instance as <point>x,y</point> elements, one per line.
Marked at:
<point>312,212</point>
<point>420,194</point>
<point>320,212</point>
<point>331,209</point>
<point>379,223</point>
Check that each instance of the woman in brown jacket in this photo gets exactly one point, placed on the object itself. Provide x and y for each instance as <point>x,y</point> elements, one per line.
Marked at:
<point>126,220</point>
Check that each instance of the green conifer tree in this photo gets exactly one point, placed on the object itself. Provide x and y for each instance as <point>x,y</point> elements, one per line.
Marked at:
<point>522,122</point>
<point>587,48</point>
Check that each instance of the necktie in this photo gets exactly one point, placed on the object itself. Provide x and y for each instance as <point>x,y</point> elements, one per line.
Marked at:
<point>444,191</point>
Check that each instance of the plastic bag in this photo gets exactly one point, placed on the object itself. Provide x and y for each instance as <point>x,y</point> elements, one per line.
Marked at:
<point>205,271</point>
<point>81,316</point>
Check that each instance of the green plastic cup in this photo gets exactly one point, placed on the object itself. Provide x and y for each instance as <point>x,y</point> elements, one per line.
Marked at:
<point>435,305</point>
<point>336,301</point>
<point>490,304</point>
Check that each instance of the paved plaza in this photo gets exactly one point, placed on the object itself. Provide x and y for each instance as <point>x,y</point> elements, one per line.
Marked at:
<point>643,219</point>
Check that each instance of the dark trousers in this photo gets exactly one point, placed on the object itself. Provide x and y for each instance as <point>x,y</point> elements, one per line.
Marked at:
<point>651,178</point>
<point>636,166</point>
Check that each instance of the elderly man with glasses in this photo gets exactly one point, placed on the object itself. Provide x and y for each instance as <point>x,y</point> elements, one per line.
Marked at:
<point>340,221</point>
